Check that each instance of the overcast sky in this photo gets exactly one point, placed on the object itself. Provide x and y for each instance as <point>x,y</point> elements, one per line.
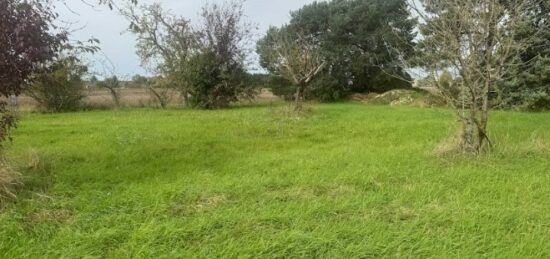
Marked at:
<point>119,45</point>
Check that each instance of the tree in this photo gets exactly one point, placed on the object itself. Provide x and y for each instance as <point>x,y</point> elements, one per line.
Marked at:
<point>164,42</point>
<point>58,87</point>
<point>94,80</point>
<point>139,80</point>
<point>296,58</point>
<point>530,84</point>
<point>179,54</point>
<point>217,74</point>
<point>112,84</point>
<point>478,42</point>
<point>26,30</point>
<point>353,37</point>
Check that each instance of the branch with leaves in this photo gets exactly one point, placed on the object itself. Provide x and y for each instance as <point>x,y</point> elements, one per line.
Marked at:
<point>294,57</point>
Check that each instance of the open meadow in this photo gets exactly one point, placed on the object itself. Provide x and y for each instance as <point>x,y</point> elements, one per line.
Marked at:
<point>340,181</point>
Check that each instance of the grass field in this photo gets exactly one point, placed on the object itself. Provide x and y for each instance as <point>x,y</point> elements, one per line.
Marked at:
<point>345,180</point>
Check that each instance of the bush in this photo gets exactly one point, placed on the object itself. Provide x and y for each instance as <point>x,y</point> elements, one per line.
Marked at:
<point>540,104</point>
<point>59,87</point>
<point>213,85</point>
<point>327,88</point>
<point>281,87</point>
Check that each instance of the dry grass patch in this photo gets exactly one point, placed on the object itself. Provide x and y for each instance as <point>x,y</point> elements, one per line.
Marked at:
<point>9,179</point>
<point>203,203</point>
<point>63,216</point>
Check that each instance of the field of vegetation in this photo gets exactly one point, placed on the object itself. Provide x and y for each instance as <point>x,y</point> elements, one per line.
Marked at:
<point>341,180</point>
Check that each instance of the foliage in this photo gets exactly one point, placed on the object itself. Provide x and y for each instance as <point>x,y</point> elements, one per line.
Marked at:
<point>480,43</point>
<point>180,53</point>
<point>295,57</point>
<point>528,86</point>
<point>27,41</point>
<point>164,43</point>
<point>58,87</point>
<point>7,122</point>
<point>139,80</point>
<point>217,73</point>
<point>355,39</point>
<point>212,86</point>
<point>246,182</point>
<point>281,87</point>
<point>25,30</point>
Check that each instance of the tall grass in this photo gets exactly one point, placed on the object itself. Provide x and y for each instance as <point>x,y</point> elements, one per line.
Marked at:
<point>9,179</point>
<point>340,181</point>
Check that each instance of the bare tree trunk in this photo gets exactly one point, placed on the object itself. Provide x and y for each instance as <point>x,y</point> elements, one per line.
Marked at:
<point>469,133</point>
<point>185,94</point>
<point>159,97</point>
<point>115,96</point>
<point>13,100</point>
<point>298,102</point>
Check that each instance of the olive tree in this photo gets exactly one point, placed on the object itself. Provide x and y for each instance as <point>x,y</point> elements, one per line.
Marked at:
<point>295,58</point>
<point>477,42</point>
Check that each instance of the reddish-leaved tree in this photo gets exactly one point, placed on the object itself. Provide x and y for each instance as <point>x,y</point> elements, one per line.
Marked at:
<point>27,40</point>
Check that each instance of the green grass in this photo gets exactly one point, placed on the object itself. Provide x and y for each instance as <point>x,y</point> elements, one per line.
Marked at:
<point>346,180</point>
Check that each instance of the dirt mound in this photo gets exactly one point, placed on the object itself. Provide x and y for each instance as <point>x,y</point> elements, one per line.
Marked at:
<point>400,97</point>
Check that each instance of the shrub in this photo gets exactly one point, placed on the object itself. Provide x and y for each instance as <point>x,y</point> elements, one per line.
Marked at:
<point>58,88</point>
<point>213,85</point>
<point>327,88</point>
<point>281,87</point>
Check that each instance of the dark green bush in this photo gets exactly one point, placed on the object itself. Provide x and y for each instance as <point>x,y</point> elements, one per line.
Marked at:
<point>58,88</point>
<point>213,84</point>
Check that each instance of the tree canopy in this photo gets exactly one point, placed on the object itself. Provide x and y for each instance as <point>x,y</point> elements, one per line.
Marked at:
<point>356,38</point>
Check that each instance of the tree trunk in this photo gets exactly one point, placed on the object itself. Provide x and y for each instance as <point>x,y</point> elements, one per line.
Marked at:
<point>298,102</point>
<point>185,94</point>
<point>469,132</point>
<point>161,100</point>
<point>13,100</point>
<point>115,97</point>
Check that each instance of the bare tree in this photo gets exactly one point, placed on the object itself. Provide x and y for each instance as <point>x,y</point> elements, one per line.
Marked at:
<point>476,42</point>
<point>297,59</point>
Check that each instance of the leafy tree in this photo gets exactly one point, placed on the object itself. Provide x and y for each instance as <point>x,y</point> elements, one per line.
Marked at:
<point>217,74</point>
<point>180,53</point>
<point>58,87</point>
<point>26,30</point>
<point>355,38</point>
<point>529,84</point>
<point>139,80</point>
<point>164,43</point>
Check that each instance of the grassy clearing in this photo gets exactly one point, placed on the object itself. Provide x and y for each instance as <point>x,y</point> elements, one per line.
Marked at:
<point>346,180</point>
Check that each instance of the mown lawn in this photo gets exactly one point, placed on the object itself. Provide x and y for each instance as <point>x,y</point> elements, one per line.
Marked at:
<point>345,180</point>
